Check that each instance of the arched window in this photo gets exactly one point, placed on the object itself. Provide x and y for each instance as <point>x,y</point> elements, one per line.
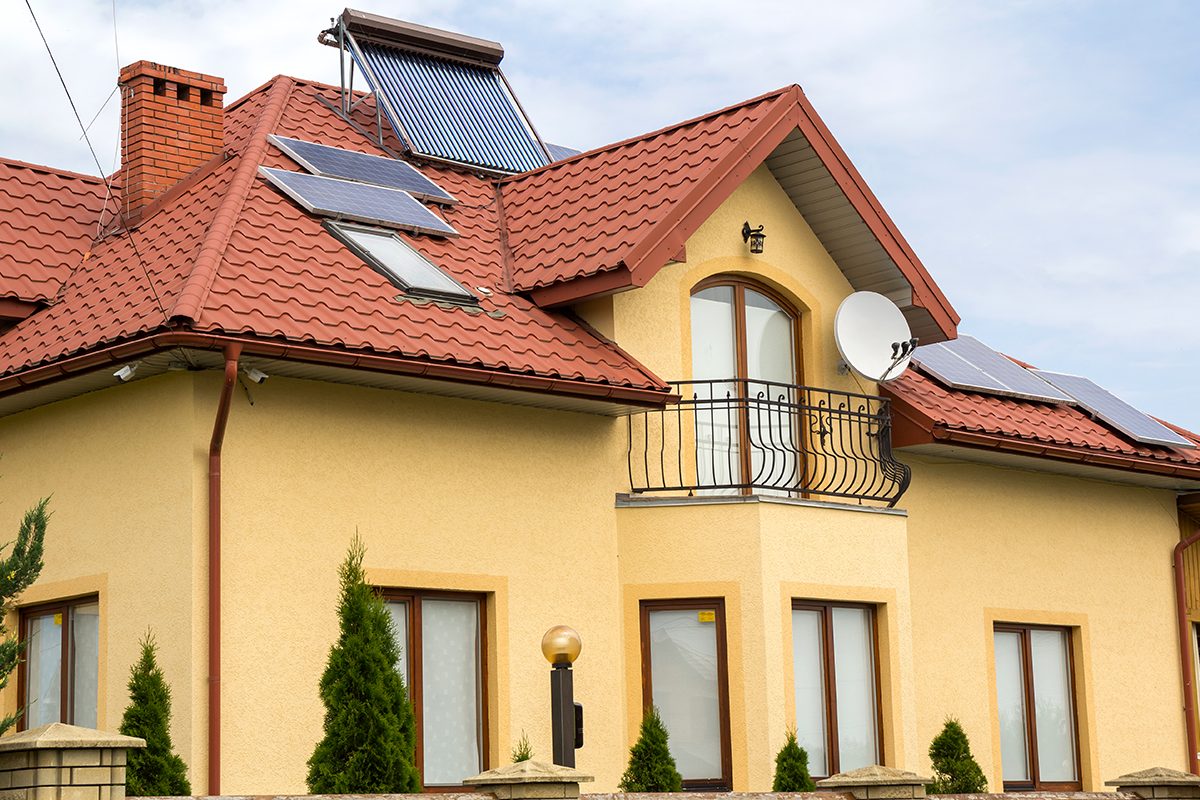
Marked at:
<point>745,365</point>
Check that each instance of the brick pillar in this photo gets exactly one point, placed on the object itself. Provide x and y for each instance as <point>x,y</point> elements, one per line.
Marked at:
<point>172,121</point>
<point>64,762</point>
<point>527,780</point>
<point>1159,783</point>
<point>873,782</point>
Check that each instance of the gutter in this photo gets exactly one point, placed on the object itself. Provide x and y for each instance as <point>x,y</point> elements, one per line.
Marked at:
<point>392,365</point>
<point>232,352</point>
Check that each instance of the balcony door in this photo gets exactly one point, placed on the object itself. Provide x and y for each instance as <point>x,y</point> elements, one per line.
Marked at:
<point>744,371</point>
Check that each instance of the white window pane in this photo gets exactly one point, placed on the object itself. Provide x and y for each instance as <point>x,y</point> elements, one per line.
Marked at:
<point>43,670</point>
<point>769,340</point>
<point>1010,700</point>
<point>854,674</point>
<point>404,263</point>
<point>450,689</point>
<point>398,610</point>
<point>1054,713</point>
<point>85,657</point>
<point>808,666</point>
<point>714,359</point>
<point>769,357</point>
<point>683,667</point>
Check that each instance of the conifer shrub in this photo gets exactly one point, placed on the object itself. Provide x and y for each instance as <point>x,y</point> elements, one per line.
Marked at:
<point>370,740</point>
<point>156,770</point>
<point>18,570</point>
<point>651,766</point>
<point>522,750</point>
<point>955,770</point>
<point>791,768</point>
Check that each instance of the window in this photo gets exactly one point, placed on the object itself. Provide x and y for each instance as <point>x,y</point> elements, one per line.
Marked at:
<point>684,675</point>
<point>1035,697</point>
<point>390,255</point>
<point>59,676</point>
<point>744,345</point>
<point>442,639</point>
<point>836,685</point>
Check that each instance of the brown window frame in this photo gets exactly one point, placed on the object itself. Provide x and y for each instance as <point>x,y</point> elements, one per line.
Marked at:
<point>825,608</point>
<point>1036,784</point>
<point>415,688</point>
<point>739,286</point>
<point>717,604</point>
<point>66,703</point>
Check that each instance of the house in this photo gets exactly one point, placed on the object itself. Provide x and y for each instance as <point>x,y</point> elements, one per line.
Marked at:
<point>551,388</point>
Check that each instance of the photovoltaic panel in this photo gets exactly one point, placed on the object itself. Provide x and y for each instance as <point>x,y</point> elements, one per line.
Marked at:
<point>335,162</point>
<point>967,363</point>
<point>362,202</point>
<point>1109,408</point>
<point>450,109</point>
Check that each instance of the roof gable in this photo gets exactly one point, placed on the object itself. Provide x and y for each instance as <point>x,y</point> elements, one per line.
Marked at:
<point>609,219</point>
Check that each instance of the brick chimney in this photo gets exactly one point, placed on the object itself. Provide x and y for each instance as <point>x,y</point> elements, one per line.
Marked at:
<point>172,121</point>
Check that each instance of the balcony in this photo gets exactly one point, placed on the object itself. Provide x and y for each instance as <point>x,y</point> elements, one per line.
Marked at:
<point>739,436</point>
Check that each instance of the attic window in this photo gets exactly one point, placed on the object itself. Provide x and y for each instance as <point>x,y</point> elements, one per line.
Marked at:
<point>388,254</point>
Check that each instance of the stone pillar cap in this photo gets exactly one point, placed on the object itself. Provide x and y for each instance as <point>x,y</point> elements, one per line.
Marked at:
<point>528,772</point>
<point>873,775</point>
<point>59,735</point>
<point>1156,776</point>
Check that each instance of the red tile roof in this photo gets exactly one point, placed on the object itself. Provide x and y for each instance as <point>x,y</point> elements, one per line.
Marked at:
<point>47,220</point>
<point>927,411</point>
<point>227,254</point>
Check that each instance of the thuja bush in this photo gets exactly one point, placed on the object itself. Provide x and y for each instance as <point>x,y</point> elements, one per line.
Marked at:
<point>18,570</point>
<point>791,768</point>
<point>155,770</point>
<point>651,766</point>
<point>955,770</point>
<point>370,740</point>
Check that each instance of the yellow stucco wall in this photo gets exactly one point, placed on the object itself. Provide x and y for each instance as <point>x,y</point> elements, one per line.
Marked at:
<point>987,545</point>
<point>518,503</point>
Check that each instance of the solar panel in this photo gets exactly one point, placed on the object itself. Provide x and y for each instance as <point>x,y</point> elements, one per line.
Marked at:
<point>340,199</point>
<point>967,363</point>
<point>1109,408</point>
<point>452,110</point>
<point>334,162</point>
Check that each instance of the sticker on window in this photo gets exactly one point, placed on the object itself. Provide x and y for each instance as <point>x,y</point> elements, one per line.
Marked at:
<point>707,616</point>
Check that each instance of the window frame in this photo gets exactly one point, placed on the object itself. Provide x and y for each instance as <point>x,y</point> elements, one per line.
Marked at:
<point>825,609</point>
<point>1035,784</point>
<point>725,782</point>
<point>66,659</point>
<point>338,228</point>
<point>740,285</point>
<point>413,652</point>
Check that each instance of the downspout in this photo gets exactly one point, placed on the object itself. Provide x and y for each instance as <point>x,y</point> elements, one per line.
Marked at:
<point>232,352</point>
<point>1185,654</point>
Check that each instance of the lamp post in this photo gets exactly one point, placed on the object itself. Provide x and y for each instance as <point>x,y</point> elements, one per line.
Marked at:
<point>561,646</point>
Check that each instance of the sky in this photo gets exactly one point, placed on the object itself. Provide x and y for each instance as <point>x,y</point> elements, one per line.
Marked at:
<point>1041,157</point>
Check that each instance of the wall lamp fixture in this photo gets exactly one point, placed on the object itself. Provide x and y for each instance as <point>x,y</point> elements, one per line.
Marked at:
<point>754,236</point>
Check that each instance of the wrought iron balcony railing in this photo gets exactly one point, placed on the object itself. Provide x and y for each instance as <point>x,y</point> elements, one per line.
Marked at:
<point>734,436</point>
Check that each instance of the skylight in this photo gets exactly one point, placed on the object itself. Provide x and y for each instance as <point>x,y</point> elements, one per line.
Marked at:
<point>407,268</point>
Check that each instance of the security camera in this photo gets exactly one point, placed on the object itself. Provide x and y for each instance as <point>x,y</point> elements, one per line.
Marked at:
<point>256,375</point>
<point>125,373</point>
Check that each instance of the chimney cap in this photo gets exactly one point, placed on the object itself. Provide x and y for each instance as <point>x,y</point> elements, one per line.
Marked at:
<point>148,69</point>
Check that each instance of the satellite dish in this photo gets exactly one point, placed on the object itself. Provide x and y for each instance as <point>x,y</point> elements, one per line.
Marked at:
<point>873,336</point>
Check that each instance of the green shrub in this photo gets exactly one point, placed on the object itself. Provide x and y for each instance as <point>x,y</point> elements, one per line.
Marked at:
<point>522,750</point>
<point>370,740</point>
<point>18,570</point>
<point>791,768</point>
<point>651,767</point>
<point>955,770</point>
<point>154,771</point>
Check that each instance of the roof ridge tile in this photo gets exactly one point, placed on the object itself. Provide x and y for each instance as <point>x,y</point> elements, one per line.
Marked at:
<point>190,303</point>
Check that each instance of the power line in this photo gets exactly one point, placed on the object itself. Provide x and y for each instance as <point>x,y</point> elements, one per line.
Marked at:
<point>95,158</point>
